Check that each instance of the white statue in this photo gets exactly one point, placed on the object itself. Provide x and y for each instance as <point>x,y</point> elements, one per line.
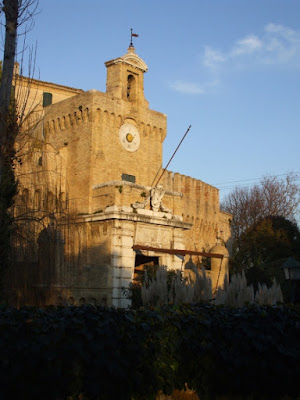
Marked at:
<point>155,195</point>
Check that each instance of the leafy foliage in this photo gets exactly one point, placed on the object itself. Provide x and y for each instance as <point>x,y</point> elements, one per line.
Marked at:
<point>262,250</point>
<point>269,239</point>
<point>109,354</point>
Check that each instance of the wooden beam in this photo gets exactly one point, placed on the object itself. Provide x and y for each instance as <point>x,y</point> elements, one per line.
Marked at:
<point>177,251</point>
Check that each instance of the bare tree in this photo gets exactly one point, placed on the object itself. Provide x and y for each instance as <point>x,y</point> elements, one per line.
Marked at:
<point>17,13</point>
<point>11,10</point>
<point>271,197</point>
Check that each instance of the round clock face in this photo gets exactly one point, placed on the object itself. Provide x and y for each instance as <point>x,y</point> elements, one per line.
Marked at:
<point>129,137</point>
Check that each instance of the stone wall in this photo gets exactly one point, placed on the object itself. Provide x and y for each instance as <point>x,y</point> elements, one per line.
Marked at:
<point>199,206</point>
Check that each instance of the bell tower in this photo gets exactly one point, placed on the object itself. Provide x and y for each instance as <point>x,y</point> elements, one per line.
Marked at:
<point>128,140</point>
<point>125,78</point>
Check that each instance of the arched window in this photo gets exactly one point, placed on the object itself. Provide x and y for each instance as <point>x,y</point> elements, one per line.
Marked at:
<point>50,201</point>
<point>24,200</point>
<point>131,87</point>
<point>37,200</point>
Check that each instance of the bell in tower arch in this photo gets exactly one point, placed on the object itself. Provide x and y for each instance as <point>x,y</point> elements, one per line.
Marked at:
<point>131,88</point>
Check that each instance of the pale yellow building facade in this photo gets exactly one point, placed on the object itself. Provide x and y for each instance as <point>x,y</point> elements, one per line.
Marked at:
<point>86,170</point>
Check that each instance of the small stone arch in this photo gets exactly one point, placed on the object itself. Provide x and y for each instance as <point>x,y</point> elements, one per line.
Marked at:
<point>85,114</point>
<point>71,119</point>
<point>98,115</point>
<point>105,117</point>
<point>82,301</point>
<point>71,301</point>
<point>50,255</point>
<point>112,119</point>
<point>104,302</point>
<point>64,123</point>
<point>93,301</point>
<point>119,120</point>
<point>148,129</point>
<point>59,301</point>
<point>142,129</point>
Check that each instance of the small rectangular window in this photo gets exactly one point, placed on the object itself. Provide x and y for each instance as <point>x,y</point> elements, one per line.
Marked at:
<point>128,178</point>
<point>47,99</point>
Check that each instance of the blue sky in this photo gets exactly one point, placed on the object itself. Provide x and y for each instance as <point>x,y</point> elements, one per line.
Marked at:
<point>230,68</point>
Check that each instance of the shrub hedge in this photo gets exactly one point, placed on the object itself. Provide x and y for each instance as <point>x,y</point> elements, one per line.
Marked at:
<point>100,353</point>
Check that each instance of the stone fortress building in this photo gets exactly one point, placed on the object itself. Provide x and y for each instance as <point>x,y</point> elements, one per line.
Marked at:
<point>86,167</point>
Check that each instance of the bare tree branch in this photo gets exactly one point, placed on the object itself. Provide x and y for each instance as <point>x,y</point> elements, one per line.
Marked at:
<point>272,197</point>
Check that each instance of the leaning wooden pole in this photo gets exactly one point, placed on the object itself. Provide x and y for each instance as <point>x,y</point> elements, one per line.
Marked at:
<point>164,170</point>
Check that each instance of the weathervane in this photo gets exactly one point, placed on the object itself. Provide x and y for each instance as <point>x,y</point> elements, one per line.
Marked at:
<point>131,36</point>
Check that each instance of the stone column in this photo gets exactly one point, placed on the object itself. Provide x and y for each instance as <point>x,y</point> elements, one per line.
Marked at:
<point>122,261</point>
<point>178,238</point>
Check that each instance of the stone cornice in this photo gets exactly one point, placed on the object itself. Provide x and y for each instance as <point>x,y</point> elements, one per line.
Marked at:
<point>133,185</point>
<point>153,218</point>
<point>130,58</point>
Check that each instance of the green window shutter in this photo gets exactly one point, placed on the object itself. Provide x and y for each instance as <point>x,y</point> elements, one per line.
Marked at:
<point>128,178</point>
<point>47,99</point>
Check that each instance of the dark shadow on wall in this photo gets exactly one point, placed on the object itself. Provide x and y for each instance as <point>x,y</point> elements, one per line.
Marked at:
<point>58,273</point>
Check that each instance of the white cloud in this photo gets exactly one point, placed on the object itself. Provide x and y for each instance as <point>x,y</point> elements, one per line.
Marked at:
<point>282,31</point>
<point>248,45</point>
<point>277,45</point>
<point>282,45</point>
<point>212,58</point>
<point>187,87</point>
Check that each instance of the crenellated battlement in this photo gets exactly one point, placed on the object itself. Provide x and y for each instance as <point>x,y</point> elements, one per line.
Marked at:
<point>176,182</point>
<point>64,122</point>
<point>102,117</point>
